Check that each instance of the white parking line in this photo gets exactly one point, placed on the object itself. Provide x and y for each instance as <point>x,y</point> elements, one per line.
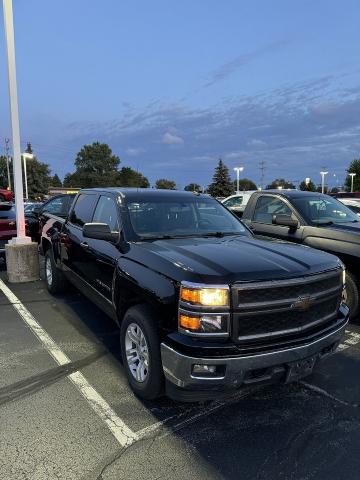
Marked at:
<point>123,434</point>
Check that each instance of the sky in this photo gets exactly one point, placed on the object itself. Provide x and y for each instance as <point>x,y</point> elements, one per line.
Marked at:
<point>173,86</point>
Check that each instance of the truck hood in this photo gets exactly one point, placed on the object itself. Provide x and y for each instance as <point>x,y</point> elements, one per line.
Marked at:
<point>352,228</point>
<point>230,259</point>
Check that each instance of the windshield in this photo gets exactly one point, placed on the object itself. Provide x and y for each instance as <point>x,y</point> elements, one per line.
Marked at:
<point>322,210</point>
<point>192,216</point>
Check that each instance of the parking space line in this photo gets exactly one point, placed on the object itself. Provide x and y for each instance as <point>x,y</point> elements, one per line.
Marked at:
<point>122,433</point>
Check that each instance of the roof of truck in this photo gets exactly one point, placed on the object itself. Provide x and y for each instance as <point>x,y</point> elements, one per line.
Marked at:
<point>292,193</point>
<point>144,192</point>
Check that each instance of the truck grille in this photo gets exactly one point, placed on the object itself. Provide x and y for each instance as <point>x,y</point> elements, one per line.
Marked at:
<point>268,311</point>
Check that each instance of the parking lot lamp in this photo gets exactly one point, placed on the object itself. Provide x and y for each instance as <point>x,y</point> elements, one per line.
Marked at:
<point>238,170</point>
<point>323,181</point>
<point>26,156</point>
<point>352,175</point>
<point>21,254</point>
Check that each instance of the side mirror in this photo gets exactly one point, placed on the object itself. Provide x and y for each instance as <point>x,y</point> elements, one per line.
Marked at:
<point>285,221</point>
<point>100,231</point>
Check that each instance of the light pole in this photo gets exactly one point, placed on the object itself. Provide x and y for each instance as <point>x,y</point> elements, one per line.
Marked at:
<point>352,175</point>
<point>26,156</point>
<point>22,257</point>
<point>238,170</point>
<point>323,181</point>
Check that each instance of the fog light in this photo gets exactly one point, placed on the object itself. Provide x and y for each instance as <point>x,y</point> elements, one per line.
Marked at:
<point>204,368</point>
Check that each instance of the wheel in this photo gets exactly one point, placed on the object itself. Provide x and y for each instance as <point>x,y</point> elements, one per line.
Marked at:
<point>2,198</point>
<point>351,295</point>
<point>54,278</point>
<point>140,350</point>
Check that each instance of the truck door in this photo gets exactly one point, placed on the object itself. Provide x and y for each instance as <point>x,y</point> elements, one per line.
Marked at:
<point>266,207</point>
<point>102,255</point>
<point>74,249</point>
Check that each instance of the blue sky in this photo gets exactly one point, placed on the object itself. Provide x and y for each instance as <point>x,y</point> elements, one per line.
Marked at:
<point>173,86</point>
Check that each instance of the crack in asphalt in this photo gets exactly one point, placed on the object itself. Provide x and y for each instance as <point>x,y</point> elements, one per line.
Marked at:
<point>324,393</point>
<point>35,383</point>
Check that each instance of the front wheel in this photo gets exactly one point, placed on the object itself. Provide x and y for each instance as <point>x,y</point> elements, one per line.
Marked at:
<point>140,350</point>
<point>351,295</point>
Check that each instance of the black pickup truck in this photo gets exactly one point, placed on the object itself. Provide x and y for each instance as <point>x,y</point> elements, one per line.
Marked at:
<point>203,306</point>
<point>312,219</point>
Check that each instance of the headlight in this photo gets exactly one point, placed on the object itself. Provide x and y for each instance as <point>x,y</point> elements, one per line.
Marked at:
<point>204,310</point>
<point>207,297</point>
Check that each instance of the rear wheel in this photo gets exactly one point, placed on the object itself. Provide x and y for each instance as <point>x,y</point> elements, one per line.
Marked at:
<point>140,350</point>
<point>351,295</point>
<point>54,278</point>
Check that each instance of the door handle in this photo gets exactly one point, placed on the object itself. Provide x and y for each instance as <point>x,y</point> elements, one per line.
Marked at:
<point>251,227</point>
<point>84,245</point>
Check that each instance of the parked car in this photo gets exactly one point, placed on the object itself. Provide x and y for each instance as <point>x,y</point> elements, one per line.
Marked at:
<point>30,207</point>
<point>352,203</point>
<point>203,306</point>
<point>38,214</point>
<point>312,219</point>
<point>8,226</point>
<point>6,195</point>
<point>237,203</point>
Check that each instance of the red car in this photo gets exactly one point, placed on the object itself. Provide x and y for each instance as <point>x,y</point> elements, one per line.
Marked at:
<point>8,225</point>
<point>6,195</point>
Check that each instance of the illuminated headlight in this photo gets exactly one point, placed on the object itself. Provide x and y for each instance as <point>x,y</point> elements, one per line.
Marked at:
<point>204,323</point>
<point>207,297</point>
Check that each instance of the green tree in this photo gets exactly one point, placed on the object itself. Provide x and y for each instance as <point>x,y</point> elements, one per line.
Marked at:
<point>221,185</point>
<point>354,168</point>
<point>164,183</point>
<point>127,177</point>
<point>280,182</point>
<point>310,187</point>
<point>245,184</point>
<point>193,187</point>
<point>3,172</point>
<point>96,166</point>
<point>55,181</point>
<point>38,178</point>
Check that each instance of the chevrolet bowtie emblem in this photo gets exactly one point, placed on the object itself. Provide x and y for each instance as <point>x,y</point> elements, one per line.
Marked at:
<point>11,224</point>
<point>303,303</point>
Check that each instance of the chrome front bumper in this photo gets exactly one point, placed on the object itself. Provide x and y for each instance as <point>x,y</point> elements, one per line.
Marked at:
<point>178,368</point>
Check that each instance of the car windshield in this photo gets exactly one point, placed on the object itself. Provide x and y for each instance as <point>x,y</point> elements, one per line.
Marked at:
<point>192,216</point>
<point>322,210</point>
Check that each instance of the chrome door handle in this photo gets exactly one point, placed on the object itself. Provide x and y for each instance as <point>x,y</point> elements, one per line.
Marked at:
<point>84,245</point>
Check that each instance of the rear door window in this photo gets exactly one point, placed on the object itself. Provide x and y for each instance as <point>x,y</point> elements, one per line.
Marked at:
<point>83,209</point>
<point>268,206</point>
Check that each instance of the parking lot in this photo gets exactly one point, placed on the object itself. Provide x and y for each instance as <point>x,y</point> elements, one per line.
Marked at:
<point>66,411</point>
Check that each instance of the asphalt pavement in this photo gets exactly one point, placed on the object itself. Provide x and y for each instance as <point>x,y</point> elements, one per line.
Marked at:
<point>66,411</point>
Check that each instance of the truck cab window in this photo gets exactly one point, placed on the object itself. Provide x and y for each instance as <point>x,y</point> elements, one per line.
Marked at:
<point>107,212</point>
<point>83,209</point>
<point>268,206</point>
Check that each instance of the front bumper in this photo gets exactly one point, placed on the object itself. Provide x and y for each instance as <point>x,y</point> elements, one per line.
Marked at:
<point>265,367</point>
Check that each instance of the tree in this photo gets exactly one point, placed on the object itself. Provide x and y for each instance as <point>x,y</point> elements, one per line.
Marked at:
<point>280,182</point>
<point>55,181</point>
<point>127,177</point>
<point>310,187</point>
<point>221,185</point>
<point>245,184</point>
<point>163,183</point>
<point>193,187</point>
<point>3,172</point>
<point>354,168</point>
<point>96,166</point>
<point>38,178</point>
<point>28,148</point>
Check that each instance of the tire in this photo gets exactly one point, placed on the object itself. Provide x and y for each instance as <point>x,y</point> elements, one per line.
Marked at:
<point>139,320</point>
<point>2,198</point>
<point>54,278</point>
<point>351,295</point>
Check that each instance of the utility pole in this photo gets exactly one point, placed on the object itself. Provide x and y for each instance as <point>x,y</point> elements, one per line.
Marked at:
<point>262,173</point>
<point>7,150</point>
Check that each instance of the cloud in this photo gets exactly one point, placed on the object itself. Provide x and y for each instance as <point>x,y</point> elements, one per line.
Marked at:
<point>228,68</point>
<point>133,152</point>
<point>171,139</point>
<point>255,142</point>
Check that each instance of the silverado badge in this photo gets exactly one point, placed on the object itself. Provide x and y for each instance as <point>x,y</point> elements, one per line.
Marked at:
<point>303,303</point>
